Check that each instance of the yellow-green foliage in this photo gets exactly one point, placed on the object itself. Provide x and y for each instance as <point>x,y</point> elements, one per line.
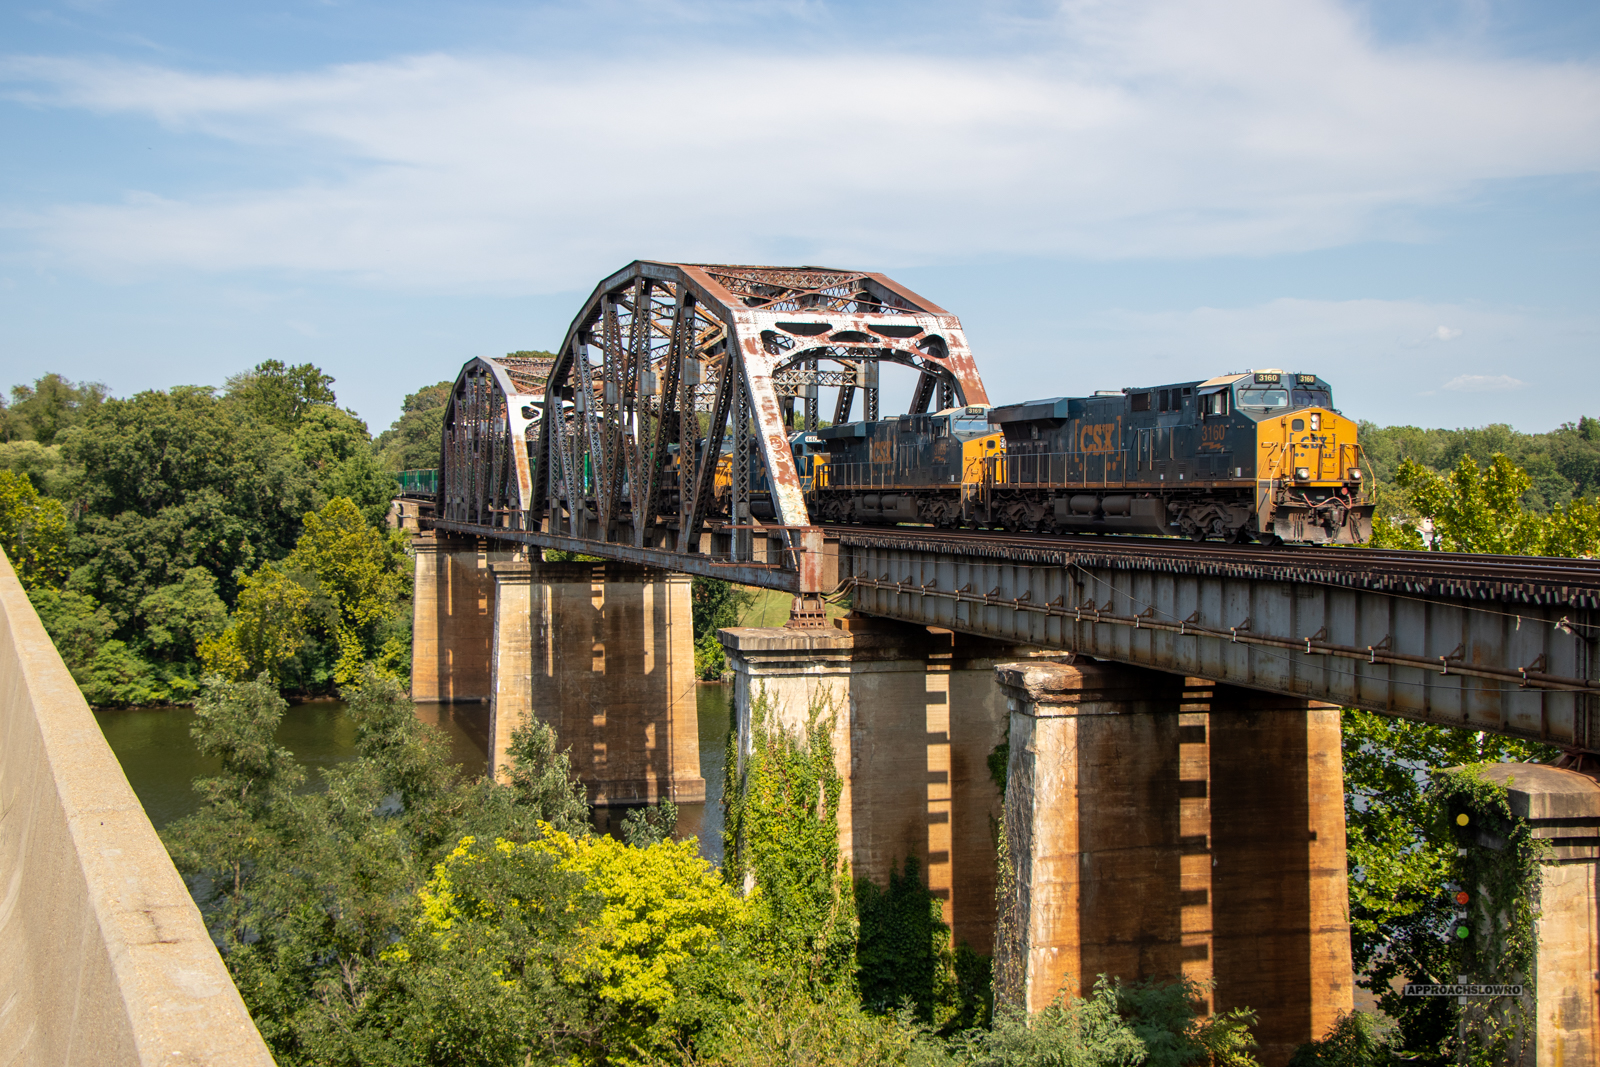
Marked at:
<point>267,628</point>
<point>353,572</point>
<point>659,912</point>
<point>33,532</point>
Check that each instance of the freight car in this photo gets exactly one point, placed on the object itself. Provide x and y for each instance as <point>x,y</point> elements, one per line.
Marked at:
<point>1261,455</point>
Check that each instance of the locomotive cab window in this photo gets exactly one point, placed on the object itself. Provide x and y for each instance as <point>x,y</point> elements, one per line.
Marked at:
<point>1215,403</point>
<point>1312,398</point>
<point>1263,399</point>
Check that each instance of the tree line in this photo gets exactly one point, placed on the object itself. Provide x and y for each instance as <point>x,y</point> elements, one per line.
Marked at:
<point>186,530</point>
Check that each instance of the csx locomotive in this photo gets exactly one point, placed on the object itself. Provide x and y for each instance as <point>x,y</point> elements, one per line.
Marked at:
<point>1256,456</point>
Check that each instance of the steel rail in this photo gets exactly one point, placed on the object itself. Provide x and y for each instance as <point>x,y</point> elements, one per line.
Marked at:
<point>1540,580</point>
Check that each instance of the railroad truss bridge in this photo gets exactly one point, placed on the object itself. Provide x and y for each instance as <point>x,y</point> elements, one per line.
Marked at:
<point>668,364</point>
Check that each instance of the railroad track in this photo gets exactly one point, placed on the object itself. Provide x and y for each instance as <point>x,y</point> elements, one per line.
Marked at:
<point>1511,580</point>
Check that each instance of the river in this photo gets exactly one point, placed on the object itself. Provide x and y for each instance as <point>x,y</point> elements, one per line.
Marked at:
<point>159,757</point>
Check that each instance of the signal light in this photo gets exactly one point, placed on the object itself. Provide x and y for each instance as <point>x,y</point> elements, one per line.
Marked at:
<point>1462,820</point>
<point>1462,898</point>
<point>1463,933</point>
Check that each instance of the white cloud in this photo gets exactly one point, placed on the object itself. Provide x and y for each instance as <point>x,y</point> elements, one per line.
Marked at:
<point>1151,129</point>
<point>1447,333</point>
<point>1483,383</point>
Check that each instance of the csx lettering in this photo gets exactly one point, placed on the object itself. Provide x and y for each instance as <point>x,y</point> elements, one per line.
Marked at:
<point>883,450</point>
<point>1100,437</point>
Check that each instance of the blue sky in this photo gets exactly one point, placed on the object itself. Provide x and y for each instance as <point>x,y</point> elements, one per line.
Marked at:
<point>1403,198</point>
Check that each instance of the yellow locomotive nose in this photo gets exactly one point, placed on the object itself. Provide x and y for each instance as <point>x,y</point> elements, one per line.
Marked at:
<point>1309,477</point>
<point>1310,447</point>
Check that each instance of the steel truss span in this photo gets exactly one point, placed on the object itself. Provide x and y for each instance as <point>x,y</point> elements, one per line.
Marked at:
<point>620,439</point>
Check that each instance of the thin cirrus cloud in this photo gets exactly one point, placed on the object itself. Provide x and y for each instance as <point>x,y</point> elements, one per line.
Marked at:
<point>1483,383</point>
<point>1122,130</point>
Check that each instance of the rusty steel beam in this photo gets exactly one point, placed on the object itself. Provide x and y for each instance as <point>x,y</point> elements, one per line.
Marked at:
<point>734,342</point>
<point>805,575</point>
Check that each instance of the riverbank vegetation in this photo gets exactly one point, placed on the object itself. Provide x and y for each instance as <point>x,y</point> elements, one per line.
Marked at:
<point>407,915</point>
<point>249,522</point>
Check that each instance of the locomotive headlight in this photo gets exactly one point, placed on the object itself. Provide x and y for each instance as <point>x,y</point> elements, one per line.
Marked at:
<point>1302,474</point>
<point>1354,474</point>
<point>1316,421</point>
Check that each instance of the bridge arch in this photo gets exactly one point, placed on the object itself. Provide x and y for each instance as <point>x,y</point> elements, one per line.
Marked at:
<point>667,361</point>
<point>485,467</point>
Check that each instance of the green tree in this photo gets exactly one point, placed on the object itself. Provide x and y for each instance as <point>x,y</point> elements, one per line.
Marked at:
<point>279,395</point>
<point>183,614</point>
<point>75,622</point>
<point>33,532</point>
<point>412,442</point>
<point>1400,860</point>
<point>714,604</point>
<point>1474,509</point>
<point>266,630</point>
<point>363,572</point>
<point>307,891</point>
<point>43,465</point>
<point>50,406</point>
<point>903,948</point>
<point>173,481</point>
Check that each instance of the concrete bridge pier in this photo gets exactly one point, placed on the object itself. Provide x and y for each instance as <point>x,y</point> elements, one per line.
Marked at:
<point>603,652</point>
<point>1158,826</point>
<point>916,715</point>
<point>452,616</point>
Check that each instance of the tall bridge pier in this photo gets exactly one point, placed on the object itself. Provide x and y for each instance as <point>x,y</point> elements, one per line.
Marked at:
<point>1153,825</point>
<point>602,652</point>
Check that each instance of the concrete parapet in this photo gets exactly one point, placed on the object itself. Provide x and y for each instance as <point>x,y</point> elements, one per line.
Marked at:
<point>916,716</point>
<point>104,959</point>
<point>604,653</point>
<point>1160,826</point>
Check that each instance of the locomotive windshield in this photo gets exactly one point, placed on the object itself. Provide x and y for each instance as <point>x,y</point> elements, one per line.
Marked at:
<point>1263,399</point>
<point>971,425</point>
<point>1312,398</point>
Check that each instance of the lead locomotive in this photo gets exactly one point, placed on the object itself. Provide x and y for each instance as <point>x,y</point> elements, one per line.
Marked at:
<point>1256,456</point>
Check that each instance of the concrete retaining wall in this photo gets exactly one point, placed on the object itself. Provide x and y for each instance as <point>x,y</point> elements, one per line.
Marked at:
<point>104,959</point>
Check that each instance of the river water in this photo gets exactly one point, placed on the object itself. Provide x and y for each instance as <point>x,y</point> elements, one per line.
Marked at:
<point>159,757</point>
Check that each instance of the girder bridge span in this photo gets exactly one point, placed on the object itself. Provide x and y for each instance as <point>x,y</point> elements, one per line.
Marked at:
<point>1501,643</point>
